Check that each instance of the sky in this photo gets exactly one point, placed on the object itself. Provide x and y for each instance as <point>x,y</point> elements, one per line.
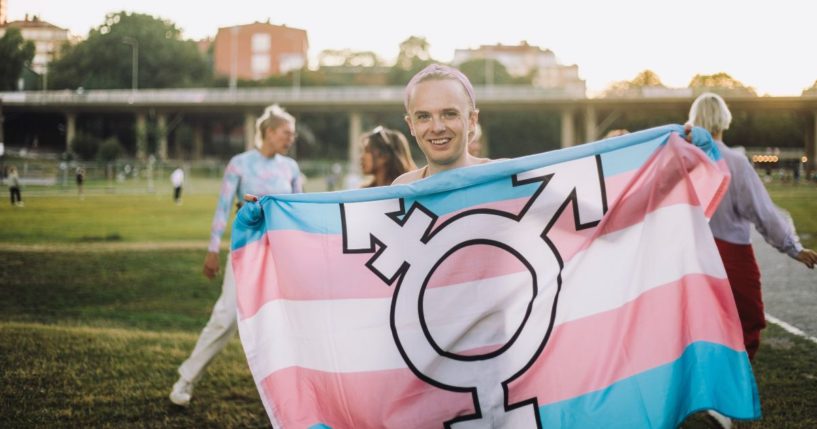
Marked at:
<point>771,46</point>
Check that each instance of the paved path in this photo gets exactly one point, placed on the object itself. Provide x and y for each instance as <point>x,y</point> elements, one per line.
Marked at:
<point>789,287</point>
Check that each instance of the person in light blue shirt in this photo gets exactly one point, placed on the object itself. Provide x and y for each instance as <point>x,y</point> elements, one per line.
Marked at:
<point>261,171</point>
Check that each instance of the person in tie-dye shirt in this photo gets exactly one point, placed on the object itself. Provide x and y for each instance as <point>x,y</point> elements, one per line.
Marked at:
<point>261,171</point>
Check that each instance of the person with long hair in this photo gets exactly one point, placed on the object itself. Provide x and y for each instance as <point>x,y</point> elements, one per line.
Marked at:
<point>259,171</point>
<point>385,156</point>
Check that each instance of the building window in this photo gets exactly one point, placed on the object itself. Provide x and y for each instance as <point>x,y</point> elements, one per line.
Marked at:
<point>261,42</point>
<point>260,64</point>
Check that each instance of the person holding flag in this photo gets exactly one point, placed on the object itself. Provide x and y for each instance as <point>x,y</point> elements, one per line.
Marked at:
<point>263,170</point>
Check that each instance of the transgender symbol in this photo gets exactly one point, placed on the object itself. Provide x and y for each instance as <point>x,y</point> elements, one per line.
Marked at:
<point>408,248</point>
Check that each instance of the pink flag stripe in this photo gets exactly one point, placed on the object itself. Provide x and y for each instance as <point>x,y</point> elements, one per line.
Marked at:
<point>359,282</point>
<point>592,353</point>
<point>639,336</point>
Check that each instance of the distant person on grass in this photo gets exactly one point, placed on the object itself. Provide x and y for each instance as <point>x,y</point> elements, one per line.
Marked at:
<point>80,182</point>
<point>745,203</point>
<point>13,181</point>
<point>476,146</point>
<point>177,180</point>
<point>265,170</point>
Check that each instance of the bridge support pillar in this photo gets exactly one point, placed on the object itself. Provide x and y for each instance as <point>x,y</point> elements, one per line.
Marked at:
<point>70,130</point>
<point>355,133</point>
<point>568,133</point>
<point>811,145</point>
<point>161,131</point>
<point>198,141</point>
<point>249,130</point>
<point>590,130</point>
<point>141,135</point>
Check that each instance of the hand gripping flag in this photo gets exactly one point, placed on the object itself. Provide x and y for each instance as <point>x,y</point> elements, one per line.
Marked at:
<point>579,288</point>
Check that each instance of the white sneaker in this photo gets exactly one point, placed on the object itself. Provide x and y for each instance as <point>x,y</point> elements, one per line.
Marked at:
<point>181,393</point>
<point>723,421</point>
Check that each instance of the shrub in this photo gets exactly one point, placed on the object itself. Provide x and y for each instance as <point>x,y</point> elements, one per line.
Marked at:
<point>110,150</point>
<point>85,146</point>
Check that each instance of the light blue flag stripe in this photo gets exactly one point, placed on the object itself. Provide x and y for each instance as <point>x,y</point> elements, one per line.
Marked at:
<point>319,212</point>
<point>651,399</point>
<point>706,376</point>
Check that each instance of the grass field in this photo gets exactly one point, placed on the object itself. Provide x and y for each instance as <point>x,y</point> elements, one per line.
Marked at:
<point>96,315</point>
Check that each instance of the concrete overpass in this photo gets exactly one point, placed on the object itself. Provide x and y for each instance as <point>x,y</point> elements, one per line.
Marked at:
<point>582,119</point>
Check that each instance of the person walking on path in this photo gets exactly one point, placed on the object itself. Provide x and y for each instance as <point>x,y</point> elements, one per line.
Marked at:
<point>260,171</point>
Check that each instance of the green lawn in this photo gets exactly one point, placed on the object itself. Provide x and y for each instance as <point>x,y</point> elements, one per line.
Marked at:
<point>801,201</point>
<point>91,335</point>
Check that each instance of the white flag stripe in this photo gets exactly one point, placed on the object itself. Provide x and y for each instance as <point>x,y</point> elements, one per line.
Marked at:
<point>356,327</point>
<point>619,266</point>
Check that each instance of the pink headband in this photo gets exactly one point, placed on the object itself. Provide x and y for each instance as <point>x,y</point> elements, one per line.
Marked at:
<point>440,71</point>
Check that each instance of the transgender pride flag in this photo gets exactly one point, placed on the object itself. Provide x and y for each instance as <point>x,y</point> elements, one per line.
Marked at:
<point>579,288</point>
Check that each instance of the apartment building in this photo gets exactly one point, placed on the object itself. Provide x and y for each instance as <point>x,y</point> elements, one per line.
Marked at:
<point>259,50</point>
<point>523,59</point>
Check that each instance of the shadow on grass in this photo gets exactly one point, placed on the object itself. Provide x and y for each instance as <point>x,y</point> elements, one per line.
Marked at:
<point>95,377</point>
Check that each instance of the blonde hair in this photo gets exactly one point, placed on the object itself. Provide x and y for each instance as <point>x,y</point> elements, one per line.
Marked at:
<point>440,72</point>
<point>273,117</point>
<point>710,112</point>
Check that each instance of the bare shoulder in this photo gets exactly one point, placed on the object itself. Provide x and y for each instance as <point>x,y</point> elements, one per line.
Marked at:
<point>409,177</point>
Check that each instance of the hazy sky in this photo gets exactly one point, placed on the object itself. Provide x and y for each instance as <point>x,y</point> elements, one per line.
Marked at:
<point>771,46</point>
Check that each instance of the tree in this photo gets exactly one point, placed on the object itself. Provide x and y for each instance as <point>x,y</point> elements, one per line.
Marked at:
<point>16,54</point>
<point>109,150</point>
<point>629,88</point>
<point>812,90</point>
<point>478,71</point>
<point>85,146</point>
<point>103,61</point>
<point>721,83</point>
<point>647,78</point>
<point>413,56</point>
<point>347,58</point>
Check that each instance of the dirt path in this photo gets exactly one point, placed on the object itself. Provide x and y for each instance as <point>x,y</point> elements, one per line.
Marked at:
<point>105,246</point>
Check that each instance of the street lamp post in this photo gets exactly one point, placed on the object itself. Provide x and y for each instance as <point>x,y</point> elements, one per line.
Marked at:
<point>134,44</point>
<point>233,58</point>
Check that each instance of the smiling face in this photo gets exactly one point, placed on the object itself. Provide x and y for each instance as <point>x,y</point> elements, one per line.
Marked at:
<point>440,117</point>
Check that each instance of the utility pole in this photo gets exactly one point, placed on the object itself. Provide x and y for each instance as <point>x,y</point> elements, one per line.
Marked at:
<point>134,44</point>
<point>233,57</point>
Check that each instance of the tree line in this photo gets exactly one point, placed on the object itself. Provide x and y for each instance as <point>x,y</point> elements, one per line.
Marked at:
<point>103,61</point>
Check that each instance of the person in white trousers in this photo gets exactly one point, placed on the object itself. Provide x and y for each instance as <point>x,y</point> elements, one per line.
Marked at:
<point>260,171</point>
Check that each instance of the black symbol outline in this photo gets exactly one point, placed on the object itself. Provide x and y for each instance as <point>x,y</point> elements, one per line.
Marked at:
<point>378,247</point>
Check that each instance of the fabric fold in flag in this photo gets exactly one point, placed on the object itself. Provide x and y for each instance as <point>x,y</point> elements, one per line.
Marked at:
<point>574,288</point>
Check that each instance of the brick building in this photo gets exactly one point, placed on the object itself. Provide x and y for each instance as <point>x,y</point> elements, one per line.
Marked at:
<point>259,50</point>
